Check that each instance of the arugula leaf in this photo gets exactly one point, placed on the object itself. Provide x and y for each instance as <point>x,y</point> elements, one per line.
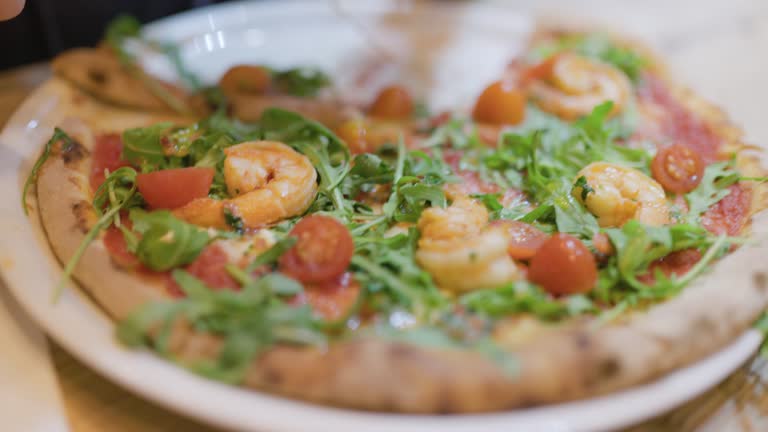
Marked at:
<point>127,27</point>
<point>144,146</point>
<point>713,188</point>
<point>120,29</point>
<point>58,136</point>
<point>118,192</point>
<point>166,242</point>
<point>302,81</point>
<point>491,201</point>
<point>272,254</point>
<point>386,268</point>
<point>416,185</point>
<point>233,221</point>
<point>523,296</point>
<point>247,321</point>
<point>328,153</point>
<point>638,245</point>
<point>583,187</point>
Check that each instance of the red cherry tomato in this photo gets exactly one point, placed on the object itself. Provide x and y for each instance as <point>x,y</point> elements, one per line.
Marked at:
<point>602,244</point>
<point>678,168</point>
<point>353,132</point>
<point>172,188</point>
<point>563,265</point>
<point>525,240</point>
<point>501,104</point>
<point>107,154</point>
<point>393,102</point>
<point>332,299</point>
<point>210,267</point>
<point>540,71</point>
<point>323,250</point>
<point>245,79</point>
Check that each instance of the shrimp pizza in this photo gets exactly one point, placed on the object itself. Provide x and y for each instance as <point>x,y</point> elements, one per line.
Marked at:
<point>553,239</point>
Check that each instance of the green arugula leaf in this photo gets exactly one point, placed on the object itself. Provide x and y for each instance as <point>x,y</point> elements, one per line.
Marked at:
<point>329,155</point>
<point>247,321</point>
<point>166,242</point>
<point>583,187</point>
<point>233,221</point>
<point>638,245</point>
<point>118,192</point>
<point>58,135</point>
<point>416,184</point>
<point>301,82</point>
<point>118,30</point>
<point>386,268</point>
<point>126,27</point>
<point>515,298</point>
<point>491,201</point>
<point>271,255</point>
<point>713,188</point>
<point>144,146</point>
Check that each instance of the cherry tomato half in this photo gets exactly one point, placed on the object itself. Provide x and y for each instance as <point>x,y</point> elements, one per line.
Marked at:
<point>332,299</point>
<point>500,103</point>
<point>353,132</point>
<point>393,102</point>
<point>540,71</point>
<point>323,250</point>
<point>245,79</point>
<point>173,188</point>
<point>563,265</point>
<point>678,168</point>
<point>525,239</point>
<point>107,154</point>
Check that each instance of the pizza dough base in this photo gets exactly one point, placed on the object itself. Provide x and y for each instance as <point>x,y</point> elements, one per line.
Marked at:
<point>577,359</point>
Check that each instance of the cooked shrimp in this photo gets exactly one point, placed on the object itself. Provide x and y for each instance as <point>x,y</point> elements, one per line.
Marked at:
<point>245,79</point>
<point>460,251</point>
<point>621,194</point>
<point>575,85</point>
<point>268,180</point>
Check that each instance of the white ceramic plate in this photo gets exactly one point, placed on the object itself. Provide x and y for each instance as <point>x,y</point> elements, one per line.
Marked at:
<point>286,34</point>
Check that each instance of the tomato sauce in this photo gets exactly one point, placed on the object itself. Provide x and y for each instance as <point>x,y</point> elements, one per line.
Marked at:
<point>677,263</point>
<point>676,122</point>
<point>333,299</point>
<point>210,267</point>
<point>118,250</point>
<point>107,154</point>
<point>730,214</point>
<point>471,183</point>
<point>727,217</point>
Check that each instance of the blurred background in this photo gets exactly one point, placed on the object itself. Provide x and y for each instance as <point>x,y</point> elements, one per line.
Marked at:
<point>47,27</point>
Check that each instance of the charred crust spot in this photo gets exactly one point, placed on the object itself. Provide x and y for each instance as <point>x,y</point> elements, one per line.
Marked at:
<point>608,368</point>
<point>583,341</point>
<point>272,377</point>
<point>80,209</point>
<point>760,280</point>
<point>73,152</point>
<point>398,350</point>
<point>97,76</point>
<point>445,403</point>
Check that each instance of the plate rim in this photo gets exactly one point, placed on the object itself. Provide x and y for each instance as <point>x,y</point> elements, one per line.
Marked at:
<point>743,346</point>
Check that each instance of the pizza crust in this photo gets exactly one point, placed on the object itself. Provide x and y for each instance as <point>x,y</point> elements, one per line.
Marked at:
<point>555,363</point>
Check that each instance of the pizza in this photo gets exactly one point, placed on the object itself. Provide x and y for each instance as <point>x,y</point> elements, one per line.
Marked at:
<point>565,234</point>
